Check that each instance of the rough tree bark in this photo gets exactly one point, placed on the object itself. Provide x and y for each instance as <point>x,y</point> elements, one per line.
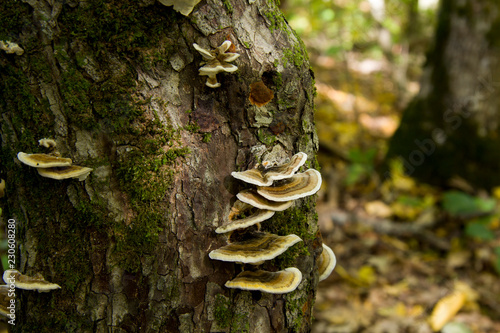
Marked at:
<point>116,84</point>
<point>451,128</point>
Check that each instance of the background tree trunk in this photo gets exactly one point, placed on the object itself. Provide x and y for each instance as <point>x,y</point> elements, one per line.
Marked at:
<point>116,84</point>
<point>453,123</point>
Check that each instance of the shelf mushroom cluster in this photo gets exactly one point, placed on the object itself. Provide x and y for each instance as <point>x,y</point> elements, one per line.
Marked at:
<point>53,166</point>
<point>277,188</point>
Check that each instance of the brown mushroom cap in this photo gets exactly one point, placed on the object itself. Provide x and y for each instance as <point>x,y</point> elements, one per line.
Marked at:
<point>280,282</point>
<point>253,198</point>
<point>260,94</point>
<point>259,247</point>
<point>72,171</point>
<point>326,262</point>
<point>298,186</point>
<point>43,160</point>
<point>21,281</point>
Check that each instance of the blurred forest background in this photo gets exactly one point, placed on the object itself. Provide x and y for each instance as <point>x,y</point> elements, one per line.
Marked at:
<point>411,257</point>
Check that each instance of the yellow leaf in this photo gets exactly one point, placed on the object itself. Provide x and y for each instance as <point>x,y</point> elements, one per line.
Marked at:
<point>445,309</point>
<point>496,192</point>
<point>366,274</point>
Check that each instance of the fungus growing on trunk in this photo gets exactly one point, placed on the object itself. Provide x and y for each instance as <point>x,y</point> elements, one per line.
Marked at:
<point>260,246</point>
<point>43,160</point>
<point>253,198</point>
<point>264,175</point>
<point>20,281</point>
<point>298,186</point>
<point>260,94</point>
<point>255,217</point>
<point>216,61</point>
<point>279,282</point>
<point>47,143</point>
<point>326,262</point>
<point>72,171</point>
<point>11,47</point>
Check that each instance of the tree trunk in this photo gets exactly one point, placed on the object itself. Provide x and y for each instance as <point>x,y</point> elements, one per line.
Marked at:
<point>451,128</point>
<point>116,84</point>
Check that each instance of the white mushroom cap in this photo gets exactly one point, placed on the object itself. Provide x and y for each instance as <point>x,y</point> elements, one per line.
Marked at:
<point>253,198</point>
<point>299,186</point>
<point>72,171</point>
<point>280,282</point>
<point>21,281</point>
<point>47,143</point>
<point>261,246</point>
<point>207,55</point>
<point>43,160</point>
<point>257,217</point>
<point>326,262</point>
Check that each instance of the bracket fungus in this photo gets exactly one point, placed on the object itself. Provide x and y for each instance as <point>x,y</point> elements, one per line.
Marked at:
<point>299,186</point>
<point>259,247</point>
<point>254,199</point>
<point>43,160</point>
<point>279,282</point>
<point>278,186</point>
<point>72,171</point>
<point>257,216</point>
<point>54,167</point>
<point>11,47</point>
<point>264,176</point>
<point>25,282</point>
<point>216,61</point>
<point>326,262</point>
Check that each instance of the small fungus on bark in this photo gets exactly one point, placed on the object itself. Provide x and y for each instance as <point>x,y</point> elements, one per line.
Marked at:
<point>10,47</point>
<point>279,282</point>
<point>216,61</point>
<point>20,281</point>
<point>260,246</point>
<point>326,262</point>
<point>260,94</point>
<point>47,143</point>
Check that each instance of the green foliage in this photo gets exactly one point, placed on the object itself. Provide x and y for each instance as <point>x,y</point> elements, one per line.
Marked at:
<point>479,229</point>
<point>497,260</point>
<point>362,165</point>
<point>461,204</point>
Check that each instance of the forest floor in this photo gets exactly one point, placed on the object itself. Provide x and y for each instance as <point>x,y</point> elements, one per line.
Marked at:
<point>410,257</point>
